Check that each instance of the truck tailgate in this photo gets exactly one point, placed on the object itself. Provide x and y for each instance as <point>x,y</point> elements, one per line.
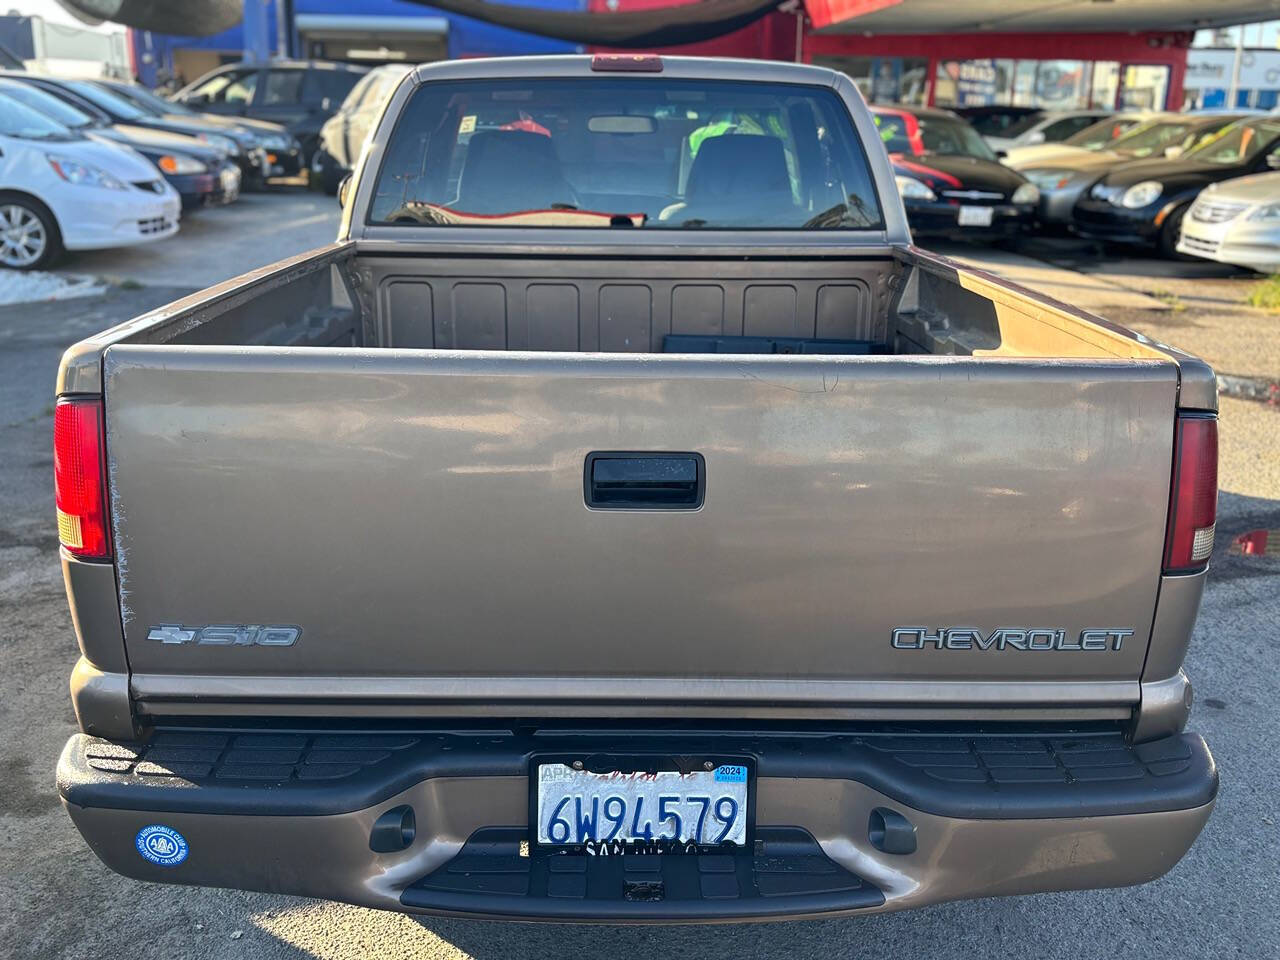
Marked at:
<point>420,517</point>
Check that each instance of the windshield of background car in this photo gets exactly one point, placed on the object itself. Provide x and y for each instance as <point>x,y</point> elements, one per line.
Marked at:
<point>625,152</point>
<point>1100,134</point>
<point>357,92</point>
<point>1238,143</point>
<point>20,121</point>
<point>1000,123</point>
<point>147,100</point>
<point>942,135</point>
<point>110,102</point>
<point>1020,126</point>
<point>953,138</point>
<point>1152,138</point>
<point>47,104</point>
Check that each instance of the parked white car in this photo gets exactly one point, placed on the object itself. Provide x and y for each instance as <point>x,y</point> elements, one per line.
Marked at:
<point>1236,222</point>
<point>62,191</point>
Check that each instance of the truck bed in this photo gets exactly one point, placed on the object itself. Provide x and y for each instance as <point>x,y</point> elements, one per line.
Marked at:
<point>434,298</point>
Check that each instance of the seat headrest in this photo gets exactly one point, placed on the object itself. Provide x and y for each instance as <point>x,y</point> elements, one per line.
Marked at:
<point>739,167</point>
<point>510,170</point>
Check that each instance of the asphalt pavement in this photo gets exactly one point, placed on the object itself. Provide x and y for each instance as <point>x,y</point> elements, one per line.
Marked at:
<point>1222,900</point>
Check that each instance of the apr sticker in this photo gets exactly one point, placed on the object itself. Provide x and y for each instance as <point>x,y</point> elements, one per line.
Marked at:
<point>163,846</point>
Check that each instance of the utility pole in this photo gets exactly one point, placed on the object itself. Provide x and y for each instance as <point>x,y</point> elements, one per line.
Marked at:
<point>257,46</point>
<point>284,28</point>
<point>1235,69</point>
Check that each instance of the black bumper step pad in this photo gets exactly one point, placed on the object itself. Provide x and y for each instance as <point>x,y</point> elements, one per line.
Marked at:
<point>969,775</point>
<point>785,874</point>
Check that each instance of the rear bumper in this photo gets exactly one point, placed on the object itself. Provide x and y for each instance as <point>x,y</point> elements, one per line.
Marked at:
<point>1100,220</point>
<point>211,189</point>
<point>1056,205</point>
<point>939,219</point>
<point>293,813</point>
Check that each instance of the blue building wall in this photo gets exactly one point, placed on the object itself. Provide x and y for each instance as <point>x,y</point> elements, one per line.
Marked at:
<point>467,37</point>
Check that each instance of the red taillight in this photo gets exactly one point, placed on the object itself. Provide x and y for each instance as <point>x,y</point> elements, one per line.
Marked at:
<point>1193,501</point>
<point>79,478</point>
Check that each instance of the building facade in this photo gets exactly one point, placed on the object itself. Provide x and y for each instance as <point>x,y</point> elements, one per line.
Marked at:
<point>381,31</point>
<point>948,53</point>
<point>1123,69</point>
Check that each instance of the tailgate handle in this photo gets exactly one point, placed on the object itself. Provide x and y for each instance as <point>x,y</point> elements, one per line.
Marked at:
<point>644,481</point>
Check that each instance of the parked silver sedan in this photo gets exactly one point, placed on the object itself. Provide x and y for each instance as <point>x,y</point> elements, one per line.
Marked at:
<point>1237,222</point>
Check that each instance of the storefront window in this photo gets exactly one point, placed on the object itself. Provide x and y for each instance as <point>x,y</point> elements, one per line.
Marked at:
<point>1049,84</point>
<point>973,83</point>
<point>885,79</point>
<point>1062,84</point>
<point>1024,84</point>
<point>1145,87</point>
<point>1106,84</point>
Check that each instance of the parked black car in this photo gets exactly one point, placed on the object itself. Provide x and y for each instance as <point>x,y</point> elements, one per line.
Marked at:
<point>344,133</point>
<point>239,143</point>
<point>950,180</point>
<point>1143,202</point>
<point>201,174</point>
<point>281,149</point>
<point>299,94</point>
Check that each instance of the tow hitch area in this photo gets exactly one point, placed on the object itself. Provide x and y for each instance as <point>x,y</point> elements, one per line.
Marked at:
<point>785,874</point>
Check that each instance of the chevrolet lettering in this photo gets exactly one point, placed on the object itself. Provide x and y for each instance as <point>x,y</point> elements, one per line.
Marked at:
<point>1007,638</point>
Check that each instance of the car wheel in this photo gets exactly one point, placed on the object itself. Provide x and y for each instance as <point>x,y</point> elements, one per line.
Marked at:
<point>1169,233</point>
<point>29,237</point>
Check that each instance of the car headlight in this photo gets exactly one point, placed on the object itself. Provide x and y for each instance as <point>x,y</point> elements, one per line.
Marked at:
<point>73,171</point>
<point>912,189</point>
<point>1268,213</point>
<point>179,163</point>
<point>1027,193</point>
<point>1141,194</point>
<point>218,141</point>
<point>1049,179</point>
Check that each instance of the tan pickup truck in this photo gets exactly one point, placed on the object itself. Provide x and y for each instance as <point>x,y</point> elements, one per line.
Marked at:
<point>623,521</point>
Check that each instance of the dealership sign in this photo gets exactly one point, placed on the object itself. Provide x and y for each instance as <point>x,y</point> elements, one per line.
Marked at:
<point>1259,69</point>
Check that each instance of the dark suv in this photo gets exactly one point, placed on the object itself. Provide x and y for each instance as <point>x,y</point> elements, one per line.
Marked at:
<point>298,94</point>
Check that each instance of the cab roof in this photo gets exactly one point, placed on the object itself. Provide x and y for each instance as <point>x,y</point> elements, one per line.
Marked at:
<point>683,68</point>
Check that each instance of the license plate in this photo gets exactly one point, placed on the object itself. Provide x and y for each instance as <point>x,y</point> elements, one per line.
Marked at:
<point>704,807</point>
<point>230,183</point>
<point>975,216</point>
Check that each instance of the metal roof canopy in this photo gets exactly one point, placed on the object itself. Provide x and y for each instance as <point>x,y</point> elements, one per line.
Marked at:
<point>1027,16</point>
<point>319,25</point>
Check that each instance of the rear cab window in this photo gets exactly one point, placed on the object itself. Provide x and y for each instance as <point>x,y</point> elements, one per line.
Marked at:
<point>605,152</point>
